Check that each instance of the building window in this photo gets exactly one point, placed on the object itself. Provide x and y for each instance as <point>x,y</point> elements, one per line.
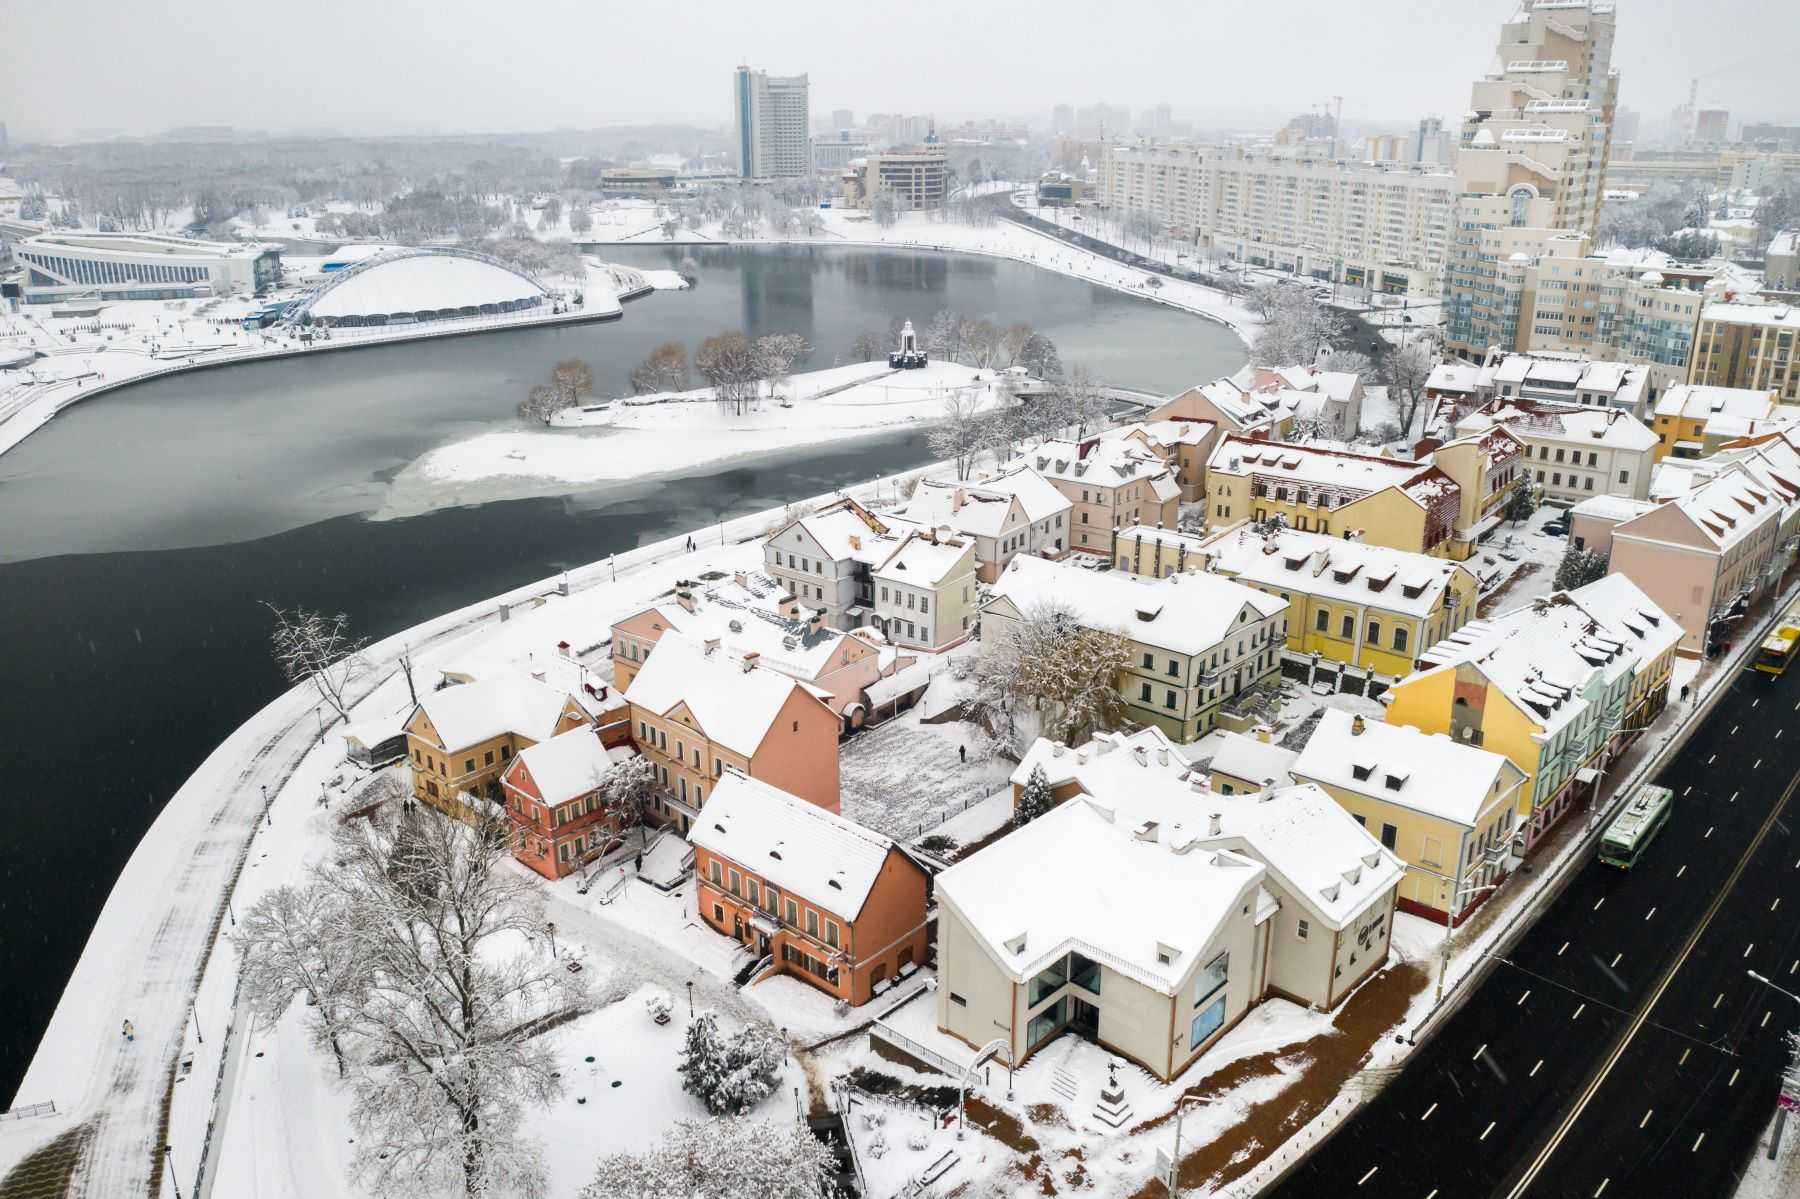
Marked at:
<point>1207,1023</point>
<point>1400,637</point>
<point>1302,929</point>
<point>718,914</point>
<point>1374,637</point>
<point>1323,622</point>
<point>1389,835</point>
<point>812,923</point>
<point>793,912</point>
<point>831,933</point>
<point>1211,979</point>
<point>736,882</point>
<point>1144,692</point>
<point>1349,626</point>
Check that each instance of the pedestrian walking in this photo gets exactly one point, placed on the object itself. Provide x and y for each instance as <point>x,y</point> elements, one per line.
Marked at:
<point>639,867</point>
<point>1684,693</point>
<point>962,754</point>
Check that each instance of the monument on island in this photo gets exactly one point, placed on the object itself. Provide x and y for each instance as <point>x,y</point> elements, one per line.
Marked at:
<point>908,357</point>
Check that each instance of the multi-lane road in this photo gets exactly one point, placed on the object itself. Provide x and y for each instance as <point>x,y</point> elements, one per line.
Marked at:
<point>1619,1048</point>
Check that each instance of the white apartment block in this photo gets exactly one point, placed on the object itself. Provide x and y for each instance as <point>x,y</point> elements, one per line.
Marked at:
<point>1531,161</point>
<point>1378,225</point>
<point>774,137</point>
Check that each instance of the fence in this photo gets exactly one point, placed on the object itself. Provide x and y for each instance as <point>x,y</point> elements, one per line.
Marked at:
<point>30,1111</point>
<point>954,808</point>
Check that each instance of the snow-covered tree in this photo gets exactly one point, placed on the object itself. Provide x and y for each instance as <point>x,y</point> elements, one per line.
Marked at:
<point>573,381</point>
<point>730,1074</point>
<point>437,984</point>
<point>728,364</point>
<point>1352,362</point>
<point>1296,328</point>
<point>962,433</point>
<point>1578,568</point>
<point>1039,358</point>
<point>290,946</point>
<point>1035,799</point>
<point>869,346</point>
<point>776,355</point>
<point>1522,502</point>
<point>1405,372</point>
<point>1004,425</point>
<point>884,210</point>
<point>1048,675</point>
<point>664,369</point>
<point>1085,406</point>
<point>721,1159</point>
<point>311,647</point>
<point>628,785</point>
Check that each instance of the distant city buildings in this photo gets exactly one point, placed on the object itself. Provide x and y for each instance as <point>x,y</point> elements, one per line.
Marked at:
<point>772,125</point>
<point>1781,262</point>
<point>916,178</point>
<point>141,266</point>
<point>1531,162</point>
<point>1749,345</point>
<point>1062,120</point>
<point>1712,126</point>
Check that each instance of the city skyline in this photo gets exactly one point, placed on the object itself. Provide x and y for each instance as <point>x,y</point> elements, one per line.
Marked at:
<point>1190,58</point>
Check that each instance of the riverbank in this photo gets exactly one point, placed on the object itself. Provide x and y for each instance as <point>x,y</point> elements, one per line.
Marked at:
<point>134,341</point>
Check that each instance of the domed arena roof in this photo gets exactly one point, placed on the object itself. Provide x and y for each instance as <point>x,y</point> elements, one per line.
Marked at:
<point>405,286</point>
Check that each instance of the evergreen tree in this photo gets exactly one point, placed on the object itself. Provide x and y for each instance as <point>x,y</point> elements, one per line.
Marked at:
<point>1522,502</point>
<point>730,1075</point>
<point>1578,568</point>
<point>1035,800</point>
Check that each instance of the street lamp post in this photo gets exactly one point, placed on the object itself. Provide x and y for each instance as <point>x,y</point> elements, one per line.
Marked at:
<point>266,816</point>
<point>1781,1111</point>
<point>550,929</point>
<point>1450,927</point>
<point>1174,1184</point>
<point>169,1161</point>
<point>194,1015</point>
<point>690,986</point>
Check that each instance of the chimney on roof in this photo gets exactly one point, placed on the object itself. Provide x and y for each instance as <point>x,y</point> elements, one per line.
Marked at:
<point>1213,825</point>
<point>685,599</point>
<point>817,622</point>
<point>1057,749</point>
<point>1142,755</point>
<point>855,541</point>
<point>1200,783</point>
<point>1263,733</point>
<point>1162,756</point>
<point>1356,726</point>
<point>750,661</point>
<point>957,499</point>
<point>742,580</point>
<point>562,649</point>
<point>712,645</point>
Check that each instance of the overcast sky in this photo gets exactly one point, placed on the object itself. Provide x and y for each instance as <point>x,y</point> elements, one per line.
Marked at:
<point>463,65</point>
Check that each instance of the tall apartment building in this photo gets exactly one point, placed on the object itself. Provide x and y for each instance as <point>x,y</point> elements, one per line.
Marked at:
<point>1749,345</point>
<point>1531,161</point>
<point>1379,225</point>
<point>774,135</point>
<point>1433,145</point>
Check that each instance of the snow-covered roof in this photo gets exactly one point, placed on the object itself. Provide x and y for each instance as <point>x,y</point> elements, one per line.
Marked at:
<point>845,530</point>
<point>1696,401</point>
<point>1040,498</point>
<point>1098,461</point>
<point>798,846</point>
<point>470,713</point>
<point>1186,613</point>
<point>1729,508</point>
<point>1614,508</point>
<point>1398,764</point>
<point>1784,242</point>
<point>1310,464</point>
<point>1455,377</point>
<point>1355,572</point>
<point>743,619</point>
<point>1108,760</point>
<point>408,281</point>
<point>1784,316</point>
<point>1247,409</point>
<point>1542,655</point>
<point>923,561</point>
<point>1246,757</point>
<point>733,705</point>
<point>1334,385</point>
<point>1076,879</point>
<point>1566,424</point>
<point>1170,432</point>
<point>1168,538</point>
<point>977,512</point>
<point>566,766</point>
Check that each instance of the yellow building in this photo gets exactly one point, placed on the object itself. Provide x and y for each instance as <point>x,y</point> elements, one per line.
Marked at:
<point>459,740</point>
<point>1693,420</point>
<point>1559,687</point>
<point>1486,466</point>
<point>1447,810</point>
<point>1749,345</point>
<point>1370,606</point>
<point>1407,505</point>
<point>1157,553</point>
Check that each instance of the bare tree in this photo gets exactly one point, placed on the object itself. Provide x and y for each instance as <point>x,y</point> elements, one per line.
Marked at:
<point>438,988</point>
<point>1084,403</point>
<point>1004,425</point>
<point>1295,330</point>
<point>1013,340</point>
<point>629,785</point>
<point>727,1158</point>
<point>540,403</point>
<point>290,946</point>
<point>1405,373</point>
<point>961,434</point>
<point>664,369</point>
<point>1351,362</point>
<point>311,647</point>
<point>982,341</point>
<point>728,364</point>
<point>573,381</point>
<point>776,354</point>
<point>869,346</point>
<point>884,210</point>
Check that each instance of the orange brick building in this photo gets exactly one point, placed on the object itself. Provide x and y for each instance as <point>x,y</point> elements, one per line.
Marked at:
<point>823,898</point>
<point>560,818</point>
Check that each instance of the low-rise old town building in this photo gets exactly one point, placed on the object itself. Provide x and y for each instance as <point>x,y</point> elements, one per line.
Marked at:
<point>820,897</point>
<point>1110,482</point>
<point>555,797</point>
<point>698,711</point>
<point>461,738</point>
<point>1016,511</point>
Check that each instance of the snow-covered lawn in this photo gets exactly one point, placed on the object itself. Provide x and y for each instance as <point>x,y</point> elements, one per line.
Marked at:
<point>905,773</point>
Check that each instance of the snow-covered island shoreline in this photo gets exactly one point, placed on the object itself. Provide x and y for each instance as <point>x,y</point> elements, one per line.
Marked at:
<point>642,436</point>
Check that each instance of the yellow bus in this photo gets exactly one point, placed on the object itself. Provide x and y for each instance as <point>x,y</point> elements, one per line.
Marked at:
<point>1778,648</point>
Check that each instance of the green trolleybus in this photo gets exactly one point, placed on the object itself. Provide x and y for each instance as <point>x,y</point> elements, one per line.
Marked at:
<point>1633,829</point>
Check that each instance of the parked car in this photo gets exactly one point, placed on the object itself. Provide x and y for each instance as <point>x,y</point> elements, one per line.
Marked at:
<point>1557,526</point>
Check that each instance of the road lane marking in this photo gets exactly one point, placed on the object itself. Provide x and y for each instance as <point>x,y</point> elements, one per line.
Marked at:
<point>1427,1114</point>
<point>1682,871</point>
<point>1697,1141</point>
<point>1650,913</point>
<point>1734,794</point>
<point>1559,952</point>
<point>1529,1178</point>
<point>1367,1176</point>
<point>1479,1052</point>
<point>1733,733</point>
<point>1536,1068</point>
<point>1734,1077</point>
<point>1709,829</point>
<point>1578,1012</point>
<point>1710,760</point>
<point>1776,904</point>
<point>1720,999</point>
<point>1598,902</point>
<point>1758,766</point>
<point>1748,948</point>
<point>1488,1129</point>
<point>1523,998</point>
<point>1684,1055</point>
<point>1765,1020</point>
<point>1615,961</point>
<point>1601,1189</point>
<point>1646,1118</point>
<point>1686,789</point>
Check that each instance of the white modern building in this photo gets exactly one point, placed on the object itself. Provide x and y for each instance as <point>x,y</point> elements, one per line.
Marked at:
<point>141,266</point>
<point>774,135</point>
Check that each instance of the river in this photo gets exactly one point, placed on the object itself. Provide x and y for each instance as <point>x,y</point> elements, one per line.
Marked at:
<point>139,531</point>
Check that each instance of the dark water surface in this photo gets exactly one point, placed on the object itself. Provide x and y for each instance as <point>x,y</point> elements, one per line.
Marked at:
<point>139,532</point>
